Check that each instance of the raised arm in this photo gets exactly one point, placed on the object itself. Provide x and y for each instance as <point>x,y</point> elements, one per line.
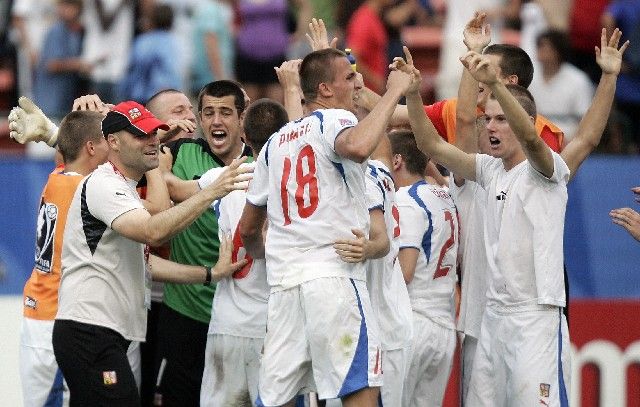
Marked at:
<point>522,125</point>
<point>156,229</point>
<point>358,142</point>
<point>477,35</point>
<point>587,138</point>
<point>427,137</point>
<point>289,77</point>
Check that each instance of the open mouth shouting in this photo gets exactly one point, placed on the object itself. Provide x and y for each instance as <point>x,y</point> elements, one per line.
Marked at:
<point>218,137</point>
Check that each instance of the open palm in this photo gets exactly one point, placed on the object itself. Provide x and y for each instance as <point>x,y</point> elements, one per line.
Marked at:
<point>608,56</point>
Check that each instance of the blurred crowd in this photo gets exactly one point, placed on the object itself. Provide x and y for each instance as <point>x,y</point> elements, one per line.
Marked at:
<point>56,50</point>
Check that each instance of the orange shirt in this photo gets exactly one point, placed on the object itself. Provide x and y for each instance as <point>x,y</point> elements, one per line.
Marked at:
<point>41,289</point>
<point>443,116</point>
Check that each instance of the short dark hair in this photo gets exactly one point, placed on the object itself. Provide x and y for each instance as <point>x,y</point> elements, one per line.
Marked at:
<point>150,105</point>
<point>524,98</point>
<point>162,17</point>
<point>404,143</point>
<point>513,61</point>
<point>76,129</point>
<point>558,41</point>
<point>263,118</point>
<point>222,88</point>
<point>315,69</point>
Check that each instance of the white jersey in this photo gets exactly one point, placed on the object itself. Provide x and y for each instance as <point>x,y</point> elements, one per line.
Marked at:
<point>104,279</point>
<point>429,223</point>
<point>470,200</point>
<point>240,303</point>
<point>524,231</point>
<point>313,198</point>
<point>387,290</point>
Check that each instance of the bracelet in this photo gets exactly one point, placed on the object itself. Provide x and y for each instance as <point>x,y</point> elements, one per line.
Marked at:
<point>207,280</point>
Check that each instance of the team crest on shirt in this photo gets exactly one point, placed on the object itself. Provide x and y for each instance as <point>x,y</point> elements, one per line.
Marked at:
<point>45,237</point>
<point>109,378</point>
<point>30,302</point>
<point>544,389</point>
<point>346,122</point>
<point>134,113</point>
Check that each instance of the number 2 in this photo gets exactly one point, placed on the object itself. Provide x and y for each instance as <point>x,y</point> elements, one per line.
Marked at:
<point>302,180</point>
<point>239,253</point>
<point>443,270</point>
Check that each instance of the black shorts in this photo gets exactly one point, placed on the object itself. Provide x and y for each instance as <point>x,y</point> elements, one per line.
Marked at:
<point>252,71</point>
<point>180,358</point>
<point>93,361</point>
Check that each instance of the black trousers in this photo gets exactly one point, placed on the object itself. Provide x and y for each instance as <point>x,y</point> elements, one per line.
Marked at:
<point>93,360</point>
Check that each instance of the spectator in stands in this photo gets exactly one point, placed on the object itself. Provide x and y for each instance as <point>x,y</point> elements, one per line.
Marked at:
<point>562,91</point>
<point>213,46</point>
<point>263,39</point>
<point>368,40</point>
<point>626,15</point>
<point>31,20</point>
<point>153,65</point>
<point>60,65</point>
<point>584,34</point>
<point>109,26</point>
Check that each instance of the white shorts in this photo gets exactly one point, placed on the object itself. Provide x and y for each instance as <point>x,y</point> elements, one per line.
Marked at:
<point>231,368</point>
<point>431,359</point>
<point>42,381</point>
<point>395,365</point>
<point>321,335</point>
<point>522,359</point>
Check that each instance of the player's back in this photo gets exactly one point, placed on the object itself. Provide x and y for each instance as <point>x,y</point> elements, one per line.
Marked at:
<point>313,198</point>
<point>240,304</point>
<point>388,292</point>
<point>428,215</point>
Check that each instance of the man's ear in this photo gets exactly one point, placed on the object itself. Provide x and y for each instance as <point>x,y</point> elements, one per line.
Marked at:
<point>397,161</point>
<point>325,90</point>
<point>512,79</point>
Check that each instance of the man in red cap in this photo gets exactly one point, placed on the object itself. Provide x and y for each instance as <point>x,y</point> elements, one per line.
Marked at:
<point>105,289</point>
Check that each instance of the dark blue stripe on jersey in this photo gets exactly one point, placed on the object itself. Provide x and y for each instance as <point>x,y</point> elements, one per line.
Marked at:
<point>266,150</point>
<point>216,208</point>
<point>564,399</point>
<point>93,228</point>
<point>358,375</point>
<point>426,238</point>
<point>387,173</point>
<point>321,118</point>
<point>374,173</point>
<point>54,399</point>
<point>340,169</point>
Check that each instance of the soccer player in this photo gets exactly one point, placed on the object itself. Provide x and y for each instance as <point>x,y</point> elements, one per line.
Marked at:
<point>524,180</point>
<point>239,314</point>
<point>428,243</point>
<point>309,183</point>
<point>105,285</point>
<point>82,148</point>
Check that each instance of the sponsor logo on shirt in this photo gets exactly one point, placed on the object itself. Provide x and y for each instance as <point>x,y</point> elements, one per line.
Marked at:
<point>109,378</point>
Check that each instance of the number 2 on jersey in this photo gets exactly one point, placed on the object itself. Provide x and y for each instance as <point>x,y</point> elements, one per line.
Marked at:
<point>443,270</point>
<point>238,253</point>
<point>302,180</point>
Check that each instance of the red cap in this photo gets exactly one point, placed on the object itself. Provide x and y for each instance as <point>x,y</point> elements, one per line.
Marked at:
<point>132,117</point>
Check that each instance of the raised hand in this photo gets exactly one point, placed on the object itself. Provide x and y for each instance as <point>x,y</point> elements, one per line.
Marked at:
<point>407,67</point>
<point>480,67</point>
<point>92,103</point>
<point>289,74</point>
<point>609,56</point>
<point>175,127</point>
<point>628,219</point>
<point>477,33</point>
<point>317,37</point>
<point>234,177</point>
<point>28,123</point>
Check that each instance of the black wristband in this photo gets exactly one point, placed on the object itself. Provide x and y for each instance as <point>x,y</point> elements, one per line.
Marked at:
<point>207,280</point>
